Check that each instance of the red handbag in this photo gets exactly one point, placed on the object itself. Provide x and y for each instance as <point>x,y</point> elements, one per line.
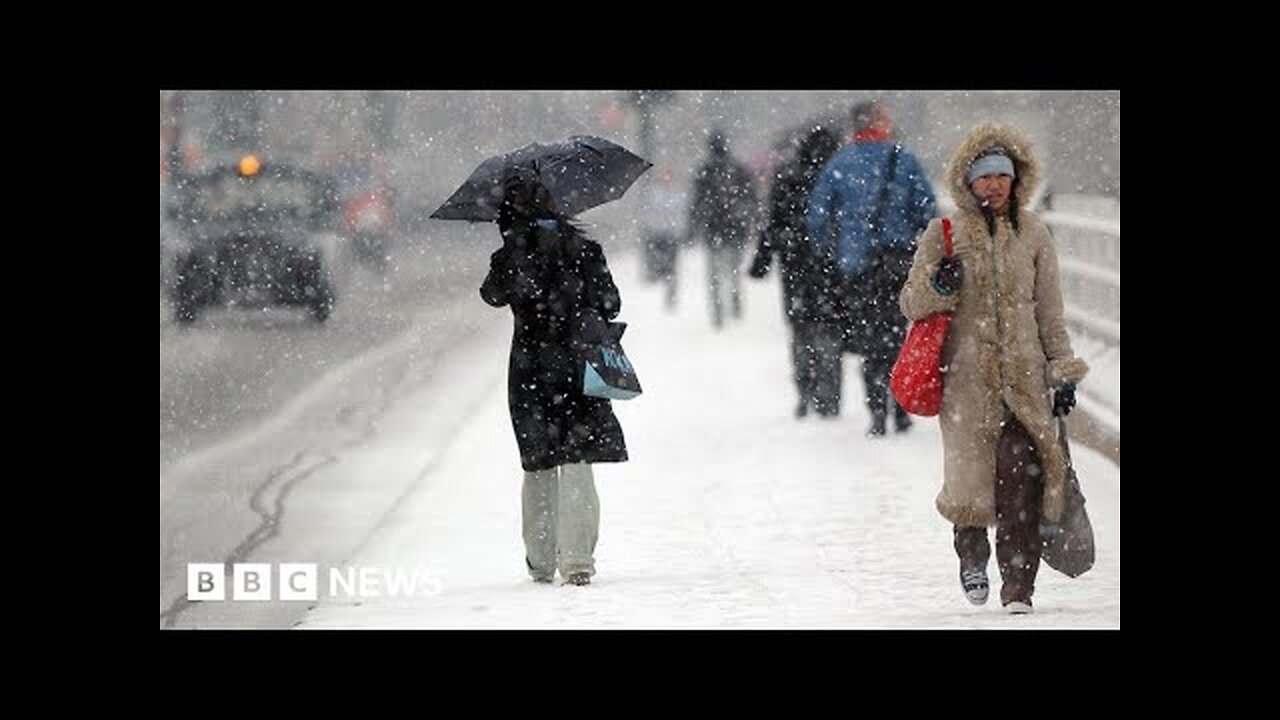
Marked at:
<point>916,379</point>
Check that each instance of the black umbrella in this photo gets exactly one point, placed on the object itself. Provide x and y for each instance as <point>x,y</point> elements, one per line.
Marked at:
<point>580,173</point>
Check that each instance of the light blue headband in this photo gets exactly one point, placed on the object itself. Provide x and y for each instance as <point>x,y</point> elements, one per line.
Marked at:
<point>994,164</point>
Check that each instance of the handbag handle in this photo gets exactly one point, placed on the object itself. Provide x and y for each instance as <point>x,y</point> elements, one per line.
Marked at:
<point>1062,438</point>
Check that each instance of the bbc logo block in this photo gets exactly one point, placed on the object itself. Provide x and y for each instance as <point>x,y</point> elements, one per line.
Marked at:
<point>252,582</point>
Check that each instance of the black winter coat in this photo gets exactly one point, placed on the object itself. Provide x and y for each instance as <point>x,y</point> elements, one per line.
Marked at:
<point>811,289</point>
<point>553,276</point>
<point>724,203</point>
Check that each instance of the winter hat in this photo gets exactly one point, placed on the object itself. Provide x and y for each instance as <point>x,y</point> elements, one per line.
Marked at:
<point>993,162</point>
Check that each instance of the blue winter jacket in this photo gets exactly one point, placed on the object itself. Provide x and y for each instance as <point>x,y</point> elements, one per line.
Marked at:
<point>844,199</point>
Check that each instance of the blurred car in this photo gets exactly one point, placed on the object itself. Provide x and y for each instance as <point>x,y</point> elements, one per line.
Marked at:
<point>253,234</point>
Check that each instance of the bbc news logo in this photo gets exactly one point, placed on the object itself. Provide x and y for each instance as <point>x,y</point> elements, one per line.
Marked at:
<point>301,581</point>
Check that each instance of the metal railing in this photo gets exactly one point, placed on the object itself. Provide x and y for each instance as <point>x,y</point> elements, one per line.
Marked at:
<point>1089,265</point>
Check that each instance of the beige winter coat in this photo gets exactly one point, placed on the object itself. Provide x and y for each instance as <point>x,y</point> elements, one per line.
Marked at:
<point>1007,345</point>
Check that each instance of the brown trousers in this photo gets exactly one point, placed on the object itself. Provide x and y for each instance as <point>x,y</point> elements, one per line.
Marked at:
<point>1019,488</point>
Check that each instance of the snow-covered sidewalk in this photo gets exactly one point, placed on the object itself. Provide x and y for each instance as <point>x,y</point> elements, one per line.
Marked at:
<point>731,513</point>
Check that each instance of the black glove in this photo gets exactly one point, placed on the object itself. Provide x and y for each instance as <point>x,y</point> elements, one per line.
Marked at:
<point>759,265</point>
<point>949,277</point>
<point>1064,398</point>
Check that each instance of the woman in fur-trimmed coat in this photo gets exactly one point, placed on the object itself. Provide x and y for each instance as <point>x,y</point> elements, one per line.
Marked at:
<point>1007,347</point>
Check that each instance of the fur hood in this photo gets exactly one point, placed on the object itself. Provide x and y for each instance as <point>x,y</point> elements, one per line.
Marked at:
<point>981,138</point>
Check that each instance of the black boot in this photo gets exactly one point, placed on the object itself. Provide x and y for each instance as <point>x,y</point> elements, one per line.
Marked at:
<point>901,420</point>
<point>877,428</point>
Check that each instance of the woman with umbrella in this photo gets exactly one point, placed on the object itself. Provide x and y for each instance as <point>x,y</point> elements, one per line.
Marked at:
<point>554,278</point>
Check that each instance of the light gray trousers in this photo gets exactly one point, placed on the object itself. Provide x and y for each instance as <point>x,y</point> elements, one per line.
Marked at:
<point>561,521</point>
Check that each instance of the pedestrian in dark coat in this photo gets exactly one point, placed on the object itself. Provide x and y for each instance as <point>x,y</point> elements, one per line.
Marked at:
<point>554,278</point>
<point>810,297</point>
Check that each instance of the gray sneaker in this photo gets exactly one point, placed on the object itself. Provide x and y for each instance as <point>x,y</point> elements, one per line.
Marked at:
<point>1018,607</point>
<point>974,583</point>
